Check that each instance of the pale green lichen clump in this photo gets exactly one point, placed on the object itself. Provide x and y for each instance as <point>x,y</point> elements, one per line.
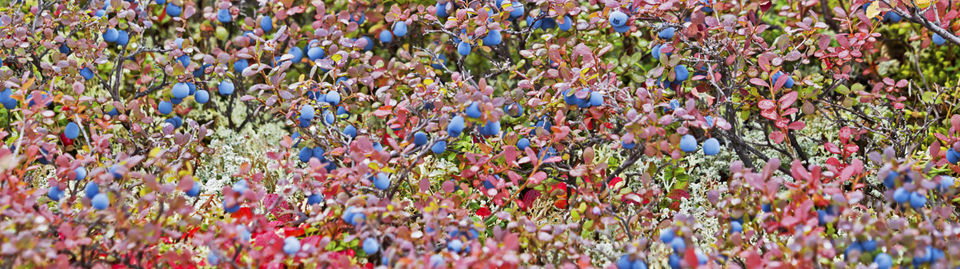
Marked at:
<point>235,148</point>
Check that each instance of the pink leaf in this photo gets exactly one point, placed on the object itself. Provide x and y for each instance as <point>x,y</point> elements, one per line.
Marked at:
<point>753,259</point>
<point>935,148</point>
<point>424,185</point>
<point>510,153</point>
<point>553,159</point>
<point>846,173</point>
<point>514,177</point>
<point>889,81</point>
<point>538,177</point>
<point>789,221</point>
<point>448,186</point>
<point>797,170</point>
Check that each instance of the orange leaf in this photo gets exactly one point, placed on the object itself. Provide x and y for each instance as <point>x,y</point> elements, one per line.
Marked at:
<point>561,204</point>
<point>383,111</point>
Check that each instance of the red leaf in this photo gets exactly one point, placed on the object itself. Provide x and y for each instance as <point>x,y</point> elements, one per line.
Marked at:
<point>483,212</point>
<point>764,7</point>
<point>678,194</point>
<point>759,82</point>
<point>833,161</point>
<point>632,198</point>
<point>851,148</point>
<point>270,239</point>
<point>282,205</point>
<point>797,125</point>
<point>778,84</point>
<point>614,182</point>
<point>690,256</point>
<point>788,99</point>
<point>777,137</point>
<point>529,198</point>
<point>831,148</point>
<point>293,231</point>
<point>769,114</point>
<point>766,104</point>
<point>561,186</point>
<point>244,212</point>
<point>844,134</point>
<point>782,123</point>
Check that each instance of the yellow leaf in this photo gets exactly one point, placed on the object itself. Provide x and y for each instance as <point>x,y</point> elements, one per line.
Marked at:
<point>873,11</point>
<point>154,152</point>
<point>922,3</point>
<point>336,57</point>
<point>27,84</point>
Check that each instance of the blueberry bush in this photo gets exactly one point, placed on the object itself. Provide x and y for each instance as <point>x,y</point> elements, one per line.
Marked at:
<point>479,134</point>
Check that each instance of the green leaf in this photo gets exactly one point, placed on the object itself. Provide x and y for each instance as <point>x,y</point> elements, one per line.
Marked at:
<point>682,180</point>
<point>842,89</point>
<point>668,172</point>
<point>635,58</point>
<point>857,87</point>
